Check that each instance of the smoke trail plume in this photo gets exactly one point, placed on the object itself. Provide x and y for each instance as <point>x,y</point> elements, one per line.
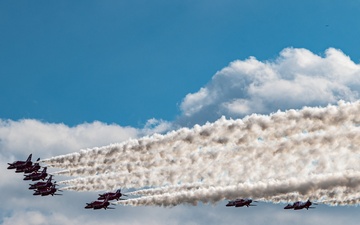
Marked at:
<point>239,132</point>
<point>329,186</point>
<point>308,153</point>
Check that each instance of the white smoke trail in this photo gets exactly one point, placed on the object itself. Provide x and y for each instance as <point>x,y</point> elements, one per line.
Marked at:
<point>238,132</point>
<point>305,153</point>
<point>298,155</point>
<point>168,189</point>
<point>332,186</point>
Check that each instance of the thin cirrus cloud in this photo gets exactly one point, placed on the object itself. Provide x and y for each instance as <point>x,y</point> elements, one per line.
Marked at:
<point>295,79</point>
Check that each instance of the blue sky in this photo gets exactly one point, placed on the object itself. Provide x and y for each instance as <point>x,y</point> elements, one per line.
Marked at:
<point>65,64</point>
<point>127,62</point>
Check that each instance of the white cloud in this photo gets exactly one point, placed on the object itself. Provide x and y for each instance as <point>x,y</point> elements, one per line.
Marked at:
<point>295,79</point>
<point>237,106</point>
<point>156,126</point>
<point>27,136</point>
<point>26,218</point>
<point>195,102</point>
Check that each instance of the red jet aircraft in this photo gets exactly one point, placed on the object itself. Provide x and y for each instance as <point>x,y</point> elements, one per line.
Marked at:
<point>36,175</point>
<point>300,205</point>
<point>20,164</point>
<point>99,205</point>
<point>241,202</point>
<point>39,185</point>
<point>47,191</point>
<point>29,169</point>
<point>112,195</point>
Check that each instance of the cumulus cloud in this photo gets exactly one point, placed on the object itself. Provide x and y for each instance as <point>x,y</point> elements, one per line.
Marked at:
<point>156,126</point>
<point>19,138</point>
<point>295,79</point>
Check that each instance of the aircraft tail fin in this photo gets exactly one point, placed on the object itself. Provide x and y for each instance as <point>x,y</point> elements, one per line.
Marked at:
<point>29,158</point>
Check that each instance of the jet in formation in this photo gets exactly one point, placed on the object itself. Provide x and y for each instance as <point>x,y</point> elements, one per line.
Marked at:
<point>30,169</point>
<point>300,205</point>
<point>31,172</point>
<point>112,195</point>
<point>21,165</point>
<point>99,204</point>
<point>36,175</point>
<point>106,197</point>
<point>40,184</point>
<point>240,202</point>
<point>44,191</point>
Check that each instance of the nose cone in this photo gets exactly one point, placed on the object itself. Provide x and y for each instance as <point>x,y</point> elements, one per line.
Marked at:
<point>88,206</point>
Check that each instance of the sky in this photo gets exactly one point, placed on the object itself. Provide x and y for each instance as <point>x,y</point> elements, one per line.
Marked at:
<point>85,74</point>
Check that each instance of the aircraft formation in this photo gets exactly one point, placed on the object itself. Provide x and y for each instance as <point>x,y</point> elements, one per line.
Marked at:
<point>240,202</point>
<point>31,172</point>
<point>106,197</point>
<point>42,188</point>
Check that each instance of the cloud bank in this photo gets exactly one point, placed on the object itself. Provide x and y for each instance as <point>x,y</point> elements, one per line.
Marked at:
<point>17,137</point>
<point>295,79</point>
